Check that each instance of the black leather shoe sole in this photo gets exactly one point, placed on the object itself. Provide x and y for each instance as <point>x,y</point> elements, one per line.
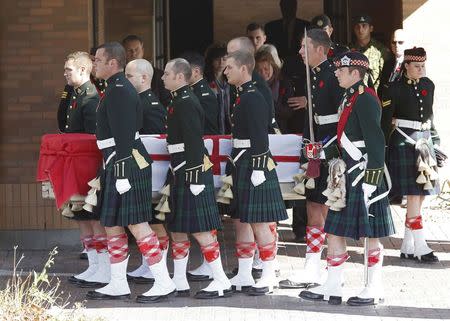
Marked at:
<point>142,280</point>
<point>258,291</point>
<point>86,284</point>
<point>244,289</point>
<point>310,296</point>
<point>94,295</point>
<point>407,256</point>
<point>428,258</point>
<point>357,301</point>
<point>213,294</point>
<point>183,293</point>
<point>197,278</point>
<point>288,284</point>
<point>74,280</point>
<point>153,298</point>
<point>83,256</point>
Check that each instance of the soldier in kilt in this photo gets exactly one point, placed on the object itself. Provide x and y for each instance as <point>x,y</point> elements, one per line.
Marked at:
<point>79,117</point>
<point>140,74</point>
<point>326,96</point>
<point>192,200</point>
<point>366,213</point>
<point>408,105</point>
<point>125,196</point>
<point>257,200</point>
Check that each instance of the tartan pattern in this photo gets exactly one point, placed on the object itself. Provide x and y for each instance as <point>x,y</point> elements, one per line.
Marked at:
<point>374,256</point>
<point>211,251</point>
<point>414,223</point>
<point>245,250</point>
<point>118,248</point>
<point>336,260</point>
<point>163,242</point>
<point>150,248</point>
<point>268,251</point>
<point>251,204</point>
<point>88,242</point>
<point>180,249</point>
<point>315,237</point>
<point>132,207</point>
<point>353,221</point>
<point>401,162</point>
<point>189,213</point>
<point>100,243</point>
<point>315,195</point>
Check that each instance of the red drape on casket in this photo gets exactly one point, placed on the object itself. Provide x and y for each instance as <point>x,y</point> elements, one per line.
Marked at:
<point>68,161</point>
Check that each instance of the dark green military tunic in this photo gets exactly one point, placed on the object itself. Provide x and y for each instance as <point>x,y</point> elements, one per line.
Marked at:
<point>185,125</point>
<point>154,114</point>
<point>362,129</point>
<point>208,100</point>
<point>336,50</point>
<point>407,99</point>
<point>80,115</point>
<point>250,121</point>
<point>64,103</point>
<point>119,117</point>
<point>326,96</point>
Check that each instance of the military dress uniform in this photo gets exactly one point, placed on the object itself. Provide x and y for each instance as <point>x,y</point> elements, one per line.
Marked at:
<point>336,50</point>
<point>64,103</point>
<point>251,118</point>
<point>208,100</point>
<point>119,118</point>
<point>154,114</point>
<point>189,165</point>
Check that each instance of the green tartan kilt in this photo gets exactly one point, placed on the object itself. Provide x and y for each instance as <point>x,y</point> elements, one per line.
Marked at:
<point>353,221</point>
<point>315,194</point>
<point>250,204</point>
<point>84,215</point>
<point>401,162</point>
<point>132,207</point>
<point>190,213</point>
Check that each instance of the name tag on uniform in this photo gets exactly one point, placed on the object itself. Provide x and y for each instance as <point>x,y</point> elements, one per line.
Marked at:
<point>205,94</point>
<point>154,103</point>
<point>119,85</point>
<point>184,97</point>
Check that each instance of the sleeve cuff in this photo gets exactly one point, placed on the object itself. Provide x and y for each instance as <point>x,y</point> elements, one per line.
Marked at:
<point>122,167</point>
<point>373,176</point>
<point>194,175</point>
<point>259,162</point>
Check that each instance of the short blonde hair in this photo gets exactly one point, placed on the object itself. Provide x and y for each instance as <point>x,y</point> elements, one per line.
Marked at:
<point>81,59</point>
<point>273,51</point>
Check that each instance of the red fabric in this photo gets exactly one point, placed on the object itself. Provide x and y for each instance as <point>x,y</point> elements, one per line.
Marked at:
<point>268,251</point>
<point>88,242</point>
<point>414,223</point>
<point>180,249</point>
<point>163,242</point>
<point>149,247</point>
<point>118,248</point>
<point>100,243</point>
<point>245,249</point>
<point>374,256</point>
<point>211,251</point>
<point>315,237</point>
<point>68,161</point>
<point>337,260</point>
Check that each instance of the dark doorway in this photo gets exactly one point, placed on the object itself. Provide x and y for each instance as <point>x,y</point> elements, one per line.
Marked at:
<point>191,26</point>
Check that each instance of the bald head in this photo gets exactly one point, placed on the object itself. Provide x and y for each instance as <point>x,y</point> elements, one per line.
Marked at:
<point>140,73</point>
<point>399,42</point>
<point>241,44</point>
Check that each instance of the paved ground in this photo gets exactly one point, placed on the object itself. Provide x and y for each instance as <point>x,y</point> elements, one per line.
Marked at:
<point>413,290</point>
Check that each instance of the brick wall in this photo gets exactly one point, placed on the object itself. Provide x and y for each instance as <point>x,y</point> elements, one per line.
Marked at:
<point>36,37</point>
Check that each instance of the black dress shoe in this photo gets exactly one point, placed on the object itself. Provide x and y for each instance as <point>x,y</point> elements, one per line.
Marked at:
<point>357,301</point>
<point>202,294</point>
<point>254,291</point>
<point>428,258</point>
<point>407,256</point>
<point>74,280</point>
<point>311,296</point>
<point>83,256</point>
<point>142,280</point>
<point>87,284</point>
<point>288,284</point>
<point>183,293</point>
<point>196,277</point>
<point>94,295</point>
<point>244,289</point>
<point>153,298</point>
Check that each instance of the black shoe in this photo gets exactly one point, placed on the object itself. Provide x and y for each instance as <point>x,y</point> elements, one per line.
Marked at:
<point>183,293</point>
<point>94,295</point>
<point>428,258</point>
<point>288,284</point>
<point>196,277</point>
<point>74,280</point>
<point>254,291</point>
<point>311,296</point>
<point>407,256</point>
<point>202,294</point>
<point>357,301</point>
<point>83,256</point>
<point>142,280</point>
<point>87,284</point>
<point>244,289</point>
<point>153,298</point>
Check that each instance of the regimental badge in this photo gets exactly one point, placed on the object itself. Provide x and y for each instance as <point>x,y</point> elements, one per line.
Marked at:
<point>319,23</point>
<point>345,61</point>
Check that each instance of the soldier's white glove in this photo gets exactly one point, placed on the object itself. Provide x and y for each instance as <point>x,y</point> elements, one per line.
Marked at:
<point>122,185</point>
<point>196,188</point>
<point>257,178</point>
<point>368,190</point>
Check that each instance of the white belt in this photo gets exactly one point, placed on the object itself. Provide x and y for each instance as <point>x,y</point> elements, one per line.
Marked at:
<point>110,142</point>
<point>175,148</point>
<point>352,148</point>
<point>241,143</point>
<point>328,119</point>
<point>412,124</point>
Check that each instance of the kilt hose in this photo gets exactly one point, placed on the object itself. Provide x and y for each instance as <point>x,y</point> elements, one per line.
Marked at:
<point>315,194</point>
<point>353,221</point>
<point>401,162</point>
<point>132,207</point>
<point>250,204</point>
<point>190,213</point>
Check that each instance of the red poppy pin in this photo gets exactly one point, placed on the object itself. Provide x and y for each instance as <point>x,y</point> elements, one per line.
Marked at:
<point>321,84</point>
<point>330,53</point>
<point>213,85</point>
<point>170,110</point>
<point>238,101</point>
<point>424,92</point>
<point>282,91</point>
<point>74,104</point>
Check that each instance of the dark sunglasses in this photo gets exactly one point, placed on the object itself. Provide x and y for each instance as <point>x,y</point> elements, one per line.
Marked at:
<point>398,42</point>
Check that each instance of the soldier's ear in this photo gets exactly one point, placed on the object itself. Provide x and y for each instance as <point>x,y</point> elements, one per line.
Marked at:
<point>371,28</point>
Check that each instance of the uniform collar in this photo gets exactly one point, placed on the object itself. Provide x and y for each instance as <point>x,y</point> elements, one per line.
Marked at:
<point>180,91</point>
<point>114,78</point>
<point>246,86</point>
<point>410,81</point>
<point>358,86</point>
<point>197,83</point>
<point>146,93</point>
<point>84,87</point>
<point>320,66</point>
